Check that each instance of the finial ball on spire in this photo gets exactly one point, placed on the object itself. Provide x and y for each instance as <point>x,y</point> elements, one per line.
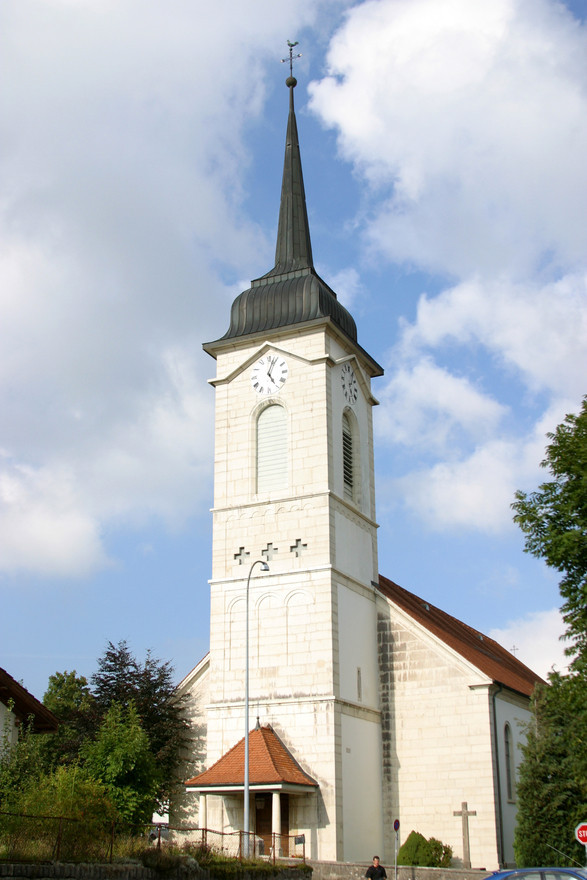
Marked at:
<point>291,82</point>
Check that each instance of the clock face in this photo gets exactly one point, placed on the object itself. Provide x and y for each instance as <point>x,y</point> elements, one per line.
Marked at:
<point>349,383</point>
<point>269,374</point>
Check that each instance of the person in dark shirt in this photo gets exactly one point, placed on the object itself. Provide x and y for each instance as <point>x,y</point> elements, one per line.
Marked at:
<point>376,871</point>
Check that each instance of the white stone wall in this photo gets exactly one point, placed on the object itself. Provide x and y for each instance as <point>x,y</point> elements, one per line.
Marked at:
<point>361,788</point>
<point>439,743</point>
<point>314,541</point>
<point>308,727</point>
<point>357,622</point>
<point>313,400</point>
<point>513,710</point>
<point>290,646</point>
<point>194,691</point>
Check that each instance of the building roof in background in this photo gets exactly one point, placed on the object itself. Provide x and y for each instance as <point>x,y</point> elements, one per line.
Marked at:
<point>25,705</point>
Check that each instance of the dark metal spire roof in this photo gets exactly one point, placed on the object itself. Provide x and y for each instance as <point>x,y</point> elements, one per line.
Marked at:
<point>293,249</point>
<point>292,292</point>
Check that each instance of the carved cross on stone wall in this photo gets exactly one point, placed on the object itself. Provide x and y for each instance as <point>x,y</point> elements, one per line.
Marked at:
<point>242,555</point>
<point>269,552</point>
<point>465,812</point>
<point>298,548</point>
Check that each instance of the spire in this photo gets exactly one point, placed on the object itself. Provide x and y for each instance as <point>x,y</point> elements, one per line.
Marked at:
<point>292,292</point>
<point>294,249</point>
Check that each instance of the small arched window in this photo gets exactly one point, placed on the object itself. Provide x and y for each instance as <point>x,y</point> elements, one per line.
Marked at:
<point>348,459</point>
<point>509,762</point>
<point>272,449</point>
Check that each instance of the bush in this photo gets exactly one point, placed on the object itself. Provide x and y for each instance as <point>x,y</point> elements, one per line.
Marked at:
<point>162,860</point>
<point>416,850</point>
<point>67,792</point>
<point>440,853</point>
<point>120,758</point>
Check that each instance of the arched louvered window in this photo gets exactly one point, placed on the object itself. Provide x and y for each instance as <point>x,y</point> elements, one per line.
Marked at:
<point>348,459</point>
<point>509,762</point>
<point>272,449</point>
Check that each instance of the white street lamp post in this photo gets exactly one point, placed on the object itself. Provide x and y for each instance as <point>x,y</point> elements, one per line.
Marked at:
<point>264,567</point>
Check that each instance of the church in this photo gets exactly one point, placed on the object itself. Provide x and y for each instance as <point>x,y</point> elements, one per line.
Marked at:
<point>369,708</point>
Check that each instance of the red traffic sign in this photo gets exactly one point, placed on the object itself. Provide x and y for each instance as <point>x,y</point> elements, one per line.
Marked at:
<point>581,832</point>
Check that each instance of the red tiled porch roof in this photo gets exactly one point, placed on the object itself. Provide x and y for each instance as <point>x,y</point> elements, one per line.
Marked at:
<point>270,763</point>
<point>484,653</point>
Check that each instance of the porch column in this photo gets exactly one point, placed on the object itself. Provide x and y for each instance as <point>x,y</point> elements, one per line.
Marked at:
<point>203,817</point>
<point>276,822</point>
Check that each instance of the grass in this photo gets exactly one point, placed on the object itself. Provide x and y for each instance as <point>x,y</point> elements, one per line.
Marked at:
<point>15,845</point>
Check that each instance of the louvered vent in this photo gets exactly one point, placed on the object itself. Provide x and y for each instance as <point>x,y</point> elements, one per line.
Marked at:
<point>272,443</point>
<point>347,458</point>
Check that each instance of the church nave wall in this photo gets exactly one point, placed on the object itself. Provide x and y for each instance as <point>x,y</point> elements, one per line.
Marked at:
<point>436,715</point>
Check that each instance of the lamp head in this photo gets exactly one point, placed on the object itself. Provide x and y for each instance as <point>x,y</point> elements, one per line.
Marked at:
<point>264,567</point>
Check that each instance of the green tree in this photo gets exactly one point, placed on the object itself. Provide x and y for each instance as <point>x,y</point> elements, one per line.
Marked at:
<point>552,785</point>
<point>552,788</point>
<point>149,686</point>
<point>554,521</point>
<point>21,762</point>
<point>116,678</point>
<point>70,699</point>
<point>120,758</point>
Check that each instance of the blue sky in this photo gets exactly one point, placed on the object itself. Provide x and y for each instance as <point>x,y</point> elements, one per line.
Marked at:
<point>443,146</point>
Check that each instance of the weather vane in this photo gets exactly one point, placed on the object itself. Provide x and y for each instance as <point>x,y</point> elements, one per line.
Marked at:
<point>292,57</point>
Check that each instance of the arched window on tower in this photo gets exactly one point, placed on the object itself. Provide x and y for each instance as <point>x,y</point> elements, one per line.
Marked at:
<point>272,449</point>
<point>510,770</point>
<point>350,458</point>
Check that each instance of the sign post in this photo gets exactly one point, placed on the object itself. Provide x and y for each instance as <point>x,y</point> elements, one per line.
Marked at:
<point>581,835</point>
<point>396,829</point>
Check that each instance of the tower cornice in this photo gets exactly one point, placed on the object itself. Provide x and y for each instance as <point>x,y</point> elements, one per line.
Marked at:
<point>233,343</point>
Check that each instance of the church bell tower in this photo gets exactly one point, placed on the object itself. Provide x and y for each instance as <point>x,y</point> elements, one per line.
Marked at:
<point>294,487</point>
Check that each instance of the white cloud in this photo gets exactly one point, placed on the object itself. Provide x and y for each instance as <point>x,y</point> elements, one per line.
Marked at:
<point>535,640</point>
<point>154,463</point>
<point>121,217</point>
<point>474,115</point>
<point>160,462</point>
<point>43,525</point>
<point>347,284</point>
<point>468,122</point>
<point>473,493</point>
<point>536,335</point>
<point>472,489</point>
<point>121,214</point>
<point>538,332</point>
<point>426,406</point>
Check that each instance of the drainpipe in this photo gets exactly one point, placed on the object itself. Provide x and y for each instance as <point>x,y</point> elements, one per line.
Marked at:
<point>500,844</point>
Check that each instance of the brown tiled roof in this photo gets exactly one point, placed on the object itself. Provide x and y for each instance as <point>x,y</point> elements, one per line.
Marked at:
<point>270,763</point>
<point>484,653</point>
<point>25,705</point>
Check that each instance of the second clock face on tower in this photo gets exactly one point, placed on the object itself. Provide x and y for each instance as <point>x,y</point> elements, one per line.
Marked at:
<point>349,383</point>
<point>269,374</point>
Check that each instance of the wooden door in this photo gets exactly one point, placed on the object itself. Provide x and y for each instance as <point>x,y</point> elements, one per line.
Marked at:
<point>284,824</point>
<point>263,812</point>
<point>263,822</point>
